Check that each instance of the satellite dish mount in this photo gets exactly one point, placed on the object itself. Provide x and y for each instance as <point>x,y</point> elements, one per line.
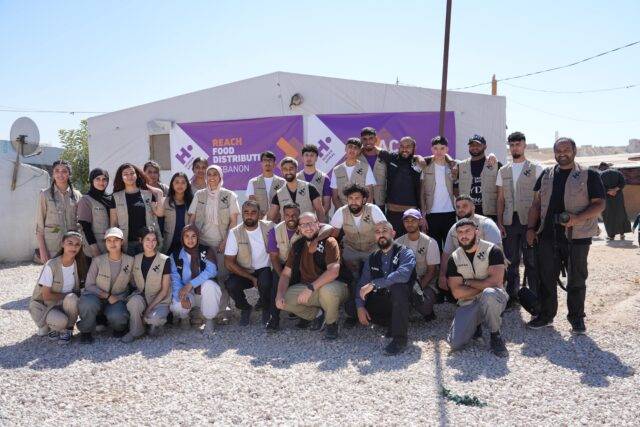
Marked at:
<point>25,139</point>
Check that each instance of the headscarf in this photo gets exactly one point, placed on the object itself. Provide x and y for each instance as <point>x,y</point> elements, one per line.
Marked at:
<point>219,170</point>
<point>100,196</point>
<point>214,194</point>
<point>194,252</point>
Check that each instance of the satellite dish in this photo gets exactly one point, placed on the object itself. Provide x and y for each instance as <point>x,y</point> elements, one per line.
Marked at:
<point>25,136</point>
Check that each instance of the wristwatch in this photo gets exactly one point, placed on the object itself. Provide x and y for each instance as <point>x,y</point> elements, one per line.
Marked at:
<point>310,287</point>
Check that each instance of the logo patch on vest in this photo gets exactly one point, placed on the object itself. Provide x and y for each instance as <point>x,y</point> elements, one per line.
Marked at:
<point>156,267</point>
<point>320,247</point>
<point>366,218</point>
<point>421,250</point>
<point>125,268</point>
<point>527,172</point>
<point>481,255</point>
<point>318,179</point>
<point>359,171</point>
<point>302,191</point>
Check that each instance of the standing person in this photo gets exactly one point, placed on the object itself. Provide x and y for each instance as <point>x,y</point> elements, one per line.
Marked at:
<point>315,177</point>
<point>57,211</point>
<point>247,260</point>
<point>351,171</point>
<point>174,211</point>
<point>93,212</point>
<point>195,294</point>
<point>106,289</point>
<point>263,187</point>
<point>437,191</point>
<point>54,302</point>
<point>475,273</point>
<point>515,184</point>
<point>477,178</point>
<point>563,218</point>
<point>309,281</point>
<point>199,168</point>
<point>151,276</point>
<point>385,287</point>
<point>136,206</point>
<point>371,155</point>
<point>295,191</point>
<point>614,215</point>
<point>152,171</point>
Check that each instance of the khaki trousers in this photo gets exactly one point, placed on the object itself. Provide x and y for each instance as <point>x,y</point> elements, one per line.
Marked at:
<point>329,298</point>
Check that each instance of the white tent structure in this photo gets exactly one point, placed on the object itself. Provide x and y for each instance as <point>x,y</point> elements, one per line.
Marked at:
<point>127,135</point>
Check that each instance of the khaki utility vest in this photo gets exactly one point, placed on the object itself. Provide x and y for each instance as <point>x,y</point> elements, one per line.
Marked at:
<point>429,184</point>
<point>521,200</point>
<point>420,253</point>
<point>380,174</point>
<point>478,269</point>
<point>55,264</point>
<point>118,285</point>
<point>123,216</point>
<point>576,200</point>
<point>283,241</point>
<point>224,210</point>
<point>358,176</point>
<point>488,186</point>
<point>61,216</point>
<point>317,180</point>
<point>362,237</point>
<point>263,197</point>
<point>170,223</point>
<point>152,286</point>
<point>479,220</point>
<point>244,258</point>
<point>99,225</point>
<point>303,199</point>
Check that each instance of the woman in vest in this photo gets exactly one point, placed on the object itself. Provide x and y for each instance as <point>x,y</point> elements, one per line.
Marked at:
<point>136,206</point>
<point>54,302</point>
<point>93,212</point>
<point>193,269</point>
<point>152,279</point>
<point>174,211</point>
<point>56,213</point>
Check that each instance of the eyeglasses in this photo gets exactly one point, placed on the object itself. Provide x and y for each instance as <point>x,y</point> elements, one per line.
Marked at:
<point>306,224</point>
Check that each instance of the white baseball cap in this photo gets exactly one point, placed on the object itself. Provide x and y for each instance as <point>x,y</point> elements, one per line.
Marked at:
<point>114,232</point>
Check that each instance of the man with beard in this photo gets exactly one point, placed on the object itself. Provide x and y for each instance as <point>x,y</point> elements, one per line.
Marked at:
<point>614,215</point>
<point>351,171</point>
<point>477,178</point>
<point>474,274</point>
<point>309,282</point>
<point>263,187</point>
<point>246,258</point>
<point>315,177</point>
<point>515,184</point>
<point>371,155</point>
<point>295,191</point>
<point>382,295</point>
<point>563,218</point>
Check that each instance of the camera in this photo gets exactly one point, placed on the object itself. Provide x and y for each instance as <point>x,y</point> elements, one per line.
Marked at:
<point>561,218</point>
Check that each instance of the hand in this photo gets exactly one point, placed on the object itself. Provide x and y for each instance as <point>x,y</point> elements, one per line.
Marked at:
<point>95,251</point>
<point>612,192</point>
<point>280,302</point>
<point>254,281</point>
<point>492,160</point>
<point>442,283</point>
<point>503,231</point>
<point>186,303</point>
<point>147,312</point>
<point>44,255</point>
<point>221,246</point>
<point>532,237</point>
<point>304,296</point>
<point>363,316</point>
<point>454,170</point>
<point>573,220</point>
<point>364,291</point>
<point>113,299</point>
<point>186,289</point>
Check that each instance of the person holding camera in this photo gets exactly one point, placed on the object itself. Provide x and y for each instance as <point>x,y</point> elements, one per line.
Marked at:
<point>563,218</point>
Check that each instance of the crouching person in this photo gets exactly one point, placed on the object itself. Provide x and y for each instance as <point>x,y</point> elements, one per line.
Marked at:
<point>54,303</point>
<point>475,274</point>
<point>195,295</point>
<point>385,287</point>
<point>312,270</point>
<point>106,289</point>
<point>149,304</point>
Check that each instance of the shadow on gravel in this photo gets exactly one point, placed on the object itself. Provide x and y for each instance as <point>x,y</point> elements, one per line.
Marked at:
<point>578,353</point>
<point>20,304</point>
<point>477,361</point>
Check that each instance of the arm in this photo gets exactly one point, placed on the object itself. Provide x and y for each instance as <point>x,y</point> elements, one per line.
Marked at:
<point>40,218</point>
<point>533,218</point>
<point>335,198</point>
<point>210,270</point>
<point>51,297</point>
<point>595,208</point>
<point>283,284</point>
<point>494,280</point>
<point>159,200</point>
<point>113,217</point>
<point>230,261</point>
<point>319,208</point>
<point>274,213</point>
<point>330,274</point>
<point>402,274</point>
<point>365,279</point>
<point>442,279</point>
<point>459,290</point>
<point>90,282</point>
<point>501,211</point>
<point>275,262</point>
<point>176,281</point>
<point>428,276</point>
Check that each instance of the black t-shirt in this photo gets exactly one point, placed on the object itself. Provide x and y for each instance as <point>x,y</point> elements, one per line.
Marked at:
<point>146,265</point>
<point>476,182</point>
<point>313,194</point>
<point>403,179</point>
<point>595,190</point>
<point>496,257</point>
<point>136,213</point>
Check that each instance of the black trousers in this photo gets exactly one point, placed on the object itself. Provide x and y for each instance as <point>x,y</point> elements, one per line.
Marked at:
<point>549,263</point>
<point>236,285</point>
<point>395,218</point>
<point>439,225</point>
<point>390,307</point>
<point>513,243</point>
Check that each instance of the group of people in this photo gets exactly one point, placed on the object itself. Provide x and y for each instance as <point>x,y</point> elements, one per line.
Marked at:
<point>384,238</point>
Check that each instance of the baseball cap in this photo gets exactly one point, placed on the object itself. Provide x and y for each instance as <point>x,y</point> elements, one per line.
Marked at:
<point>114,232</point>
<point>478,138</point>
<point>415,213</point>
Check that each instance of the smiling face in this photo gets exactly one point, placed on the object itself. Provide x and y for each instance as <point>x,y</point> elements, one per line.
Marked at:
<point>199,169</point>
<point>476,148</point>
<point>71,246</point>
<point>289,171</point>
<point>100,182</point>
<point>153,174</point>
<point>564,153</point>
<point>180,185</point>
<point>61,176</point>
<point>291,218</point>
<point>149,242</point>
<point>213,178</point>
<point>129,176</point>
<point>308,227</point>
<point>190,239</point>
<point>113,244</point>
<point>368,142</point>
<point>352,152</point>
<point>406,149</point>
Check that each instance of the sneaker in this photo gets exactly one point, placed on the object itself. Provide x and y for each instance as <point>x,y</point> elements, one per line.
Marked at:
<point>497,346</point>
<point>245,317</point>
<point>53,335</point>
<point>154,331</point>
<point>43,331</point>
<point>512,304</point>
<point>185,323</point>
<point>578,327</point>
<point>429,317</point>
<point>478,334</point>
<point>65,337</point>
<point>119,334</point>
<point>273,325</point>
<point>350,322</point>
<point>128,338</point>
<point>318,322</point>
<point>331,331</point>
<point>396,346</point>
<point>303,324</point>
<point>86,338</point>
<point>539,322</point>
<point>265,316</point>
<point>209,328</point>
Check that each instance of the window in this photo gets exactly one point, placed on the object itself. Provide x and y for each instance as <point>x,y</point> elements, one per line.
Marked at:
<point>160,150</point>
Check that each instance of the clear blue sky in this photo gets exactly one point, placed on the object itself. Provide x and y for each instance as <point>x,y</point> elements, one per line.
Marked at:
<point>108,55</point>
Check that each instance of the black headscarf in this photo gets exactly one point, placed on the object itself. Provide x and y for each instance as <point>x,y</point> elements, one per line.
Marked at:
<point>97,195</point>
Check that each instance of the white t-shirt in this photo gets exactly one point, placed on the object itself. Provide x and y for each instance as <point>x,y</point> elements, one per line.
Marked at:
<point>517,170</point>
<point>441,199</point>
<point>433,252</point>
<point>68,277</point>
<point>337,220</point>
<point>267,184</point>
<point>259,255</point>
<point>368,180</point>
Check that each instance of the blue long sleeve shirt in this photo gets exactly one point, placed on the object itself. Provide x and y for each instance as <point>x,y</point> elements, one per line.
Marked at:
<point>406,264</point>
<point>177,281</point>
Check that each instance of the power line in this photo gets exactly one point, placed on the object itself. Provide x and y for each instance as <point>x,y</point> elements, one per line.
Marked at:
<point>553,68</point>
<point>17,110</point>
<point>575,91</point>
<point>572,118</point>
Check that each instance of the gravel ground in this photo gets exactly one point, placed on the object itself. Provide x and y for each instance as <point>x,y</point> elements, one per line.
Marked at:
<point>243,376</point>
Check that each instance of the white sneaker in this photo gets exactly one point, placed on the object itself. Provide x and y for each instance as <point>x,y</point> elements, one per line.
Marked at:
<point>209,328</point>
<point>43,331</point>
<point>65,337</point>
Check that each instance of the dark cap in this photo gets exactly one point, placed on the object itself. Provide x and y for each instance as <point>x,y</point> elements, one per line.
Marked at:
<point>478,138</point>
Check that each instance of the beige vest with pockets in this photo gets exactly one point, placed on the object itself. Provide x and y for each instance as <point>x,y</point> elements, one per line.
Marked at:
<point>224,210</point>
<point>118,285</point>
<point>521,200</point>
<point>263,197</point>
<point>99,225</point>
<point>358,176</point>
<point>61,216</point>
<point>303,199</point>
<point>488,186</point>
<point>170,223</point>
<point>361,238</point>
<point>151,287</point>
<point>243,258</point>
<point>428,179</point>
<point>380,174</point>
<point>123,217</point>
<point>420,253</point>
<point>478,269</point>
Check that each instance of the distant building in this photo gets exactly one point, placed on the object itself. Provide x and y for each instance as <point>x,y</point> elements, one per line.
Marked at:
<point>634,146</point>
<point>44,160</point>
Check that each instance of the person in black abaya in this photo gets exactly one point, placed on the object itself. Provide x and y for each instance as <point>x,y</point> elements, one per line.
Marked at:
<point>614,215</point>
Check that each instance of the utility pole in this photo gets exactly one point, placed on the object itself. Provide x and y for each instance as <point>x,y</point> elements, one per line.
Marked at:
<point>445,68</point>
<point>494,85</point>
